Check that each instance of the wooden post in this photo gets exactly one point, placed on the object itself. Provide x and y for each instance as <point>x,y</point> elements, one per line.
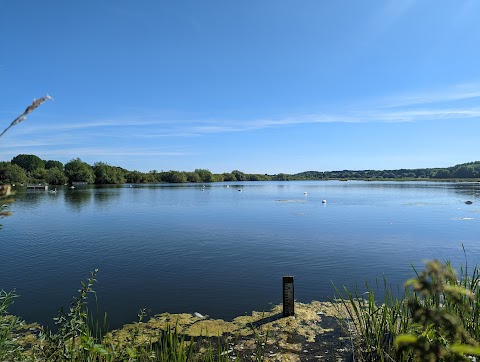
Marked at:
<point>288,296</point>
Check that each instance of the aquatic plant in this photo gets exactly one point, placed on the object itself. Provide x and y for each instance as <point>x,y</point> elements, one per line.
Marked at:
<point>10,350</point>
<point>372,326</point>
<point>436,319</point>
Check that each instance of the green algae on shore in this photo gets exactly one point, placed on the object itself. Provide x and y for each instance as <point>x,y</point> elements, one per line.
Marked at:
<point>312,334</point>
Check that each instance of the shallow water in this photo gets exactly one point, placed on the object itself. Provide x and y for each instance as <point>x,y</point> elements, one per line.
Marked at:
<point>222,252</point>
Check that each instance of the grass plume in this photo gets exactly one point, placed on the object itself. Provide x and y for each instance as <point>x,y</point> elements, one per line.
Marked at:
<point>29,109</point>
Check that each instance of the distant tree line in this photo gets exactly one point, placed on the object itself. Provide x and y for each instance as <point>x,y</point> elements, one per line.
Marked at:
<point>469,170</point>
<point>32,169</point>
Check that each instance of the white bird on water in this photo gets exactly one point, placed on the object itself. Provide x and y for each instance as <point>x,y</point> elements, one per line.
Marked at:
<point>324,201</point>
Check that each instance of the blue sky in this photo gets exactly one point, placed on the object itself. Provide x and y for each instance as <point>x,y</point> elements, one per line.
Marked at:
<point>258,86</point>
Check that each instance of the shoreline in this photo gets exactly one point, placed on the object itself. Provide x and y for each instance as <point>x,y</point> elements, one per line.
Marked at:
<point>312,334</point>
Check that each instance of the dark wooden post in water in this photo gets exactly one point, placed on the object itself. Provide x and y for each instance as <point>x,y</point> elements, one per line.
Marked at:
<point>288,297</point>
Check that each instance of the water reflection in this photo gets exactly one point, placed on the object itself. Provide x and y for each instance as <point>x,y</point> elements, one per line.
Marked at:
<point>77,199</point>
<point>105,196</point>
<point>29,197</point>
<point>468,191</point>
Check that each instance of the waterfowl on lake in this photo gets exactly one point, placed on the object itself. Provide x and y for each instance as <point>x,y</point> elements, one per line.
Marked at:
<point>54,191</point>
<point>324,201</point>
<point>468,202</point>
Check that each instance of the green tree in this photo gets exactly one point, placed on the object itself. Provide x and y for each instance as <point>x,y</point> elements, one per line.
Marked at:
<point>282,177</point>
<point>239,176</point>
<point>78,171</point>
<point>205,175</point>
<point>441,173</point>
<point>106,174</point>
<point>176,177</point>
<point>227,176</point>
<point>218,177</point>
<point>464,171</point>
<point>11,173</point>
<point>28,162</point>
<point>134,177</point>
<point>53,164</point>
<point>55,176</point>
<point>38,175</point>
<point>149,177</point>
<point>193,177</point>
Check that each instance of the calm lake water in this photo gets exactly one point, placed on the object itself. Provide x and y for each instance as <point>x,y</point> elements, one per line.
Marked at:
<point>223,252</point>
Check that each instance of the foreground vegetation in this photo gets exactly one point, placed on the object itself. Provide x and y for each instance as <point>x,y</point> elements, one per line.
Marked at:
<point>32,169</point>
<point>437,319</point>
<point>81,336</point>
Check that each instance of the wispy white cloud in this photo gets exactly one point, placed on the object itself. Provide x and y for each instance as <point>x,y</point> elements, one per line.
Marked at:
<point>108,123</point>
<point>75,138</point>
<point>99,152</point>
<point>456,93</point>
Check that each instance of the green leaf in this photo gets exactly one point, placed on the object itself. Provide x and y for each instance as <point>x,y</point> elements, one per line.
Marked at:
<point>405,339</point>
<point>456,289</point>
<point>98,348</point>
<point>131,352</point>
<point>465,349</point>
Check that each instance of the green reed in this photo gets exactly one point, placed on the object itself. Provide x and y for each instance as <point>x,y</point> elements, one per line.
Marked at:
<point>9,349</point>
<point>436,319</point>
<point>372,326</point>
